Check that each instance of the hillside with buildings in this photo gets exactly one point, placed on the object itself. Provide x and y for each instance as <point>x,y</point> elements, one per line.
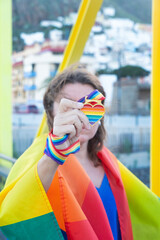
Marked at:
<point>116,46</point>
<point>27,16</point>
<point>113,43</point>
<point>137,10</point>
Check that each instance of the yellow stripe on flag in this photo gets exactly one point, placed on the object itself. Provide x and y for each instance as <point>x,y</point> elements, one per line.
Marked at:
<point>144,207</point>
<point>29,191</point>
<point>23,185</point>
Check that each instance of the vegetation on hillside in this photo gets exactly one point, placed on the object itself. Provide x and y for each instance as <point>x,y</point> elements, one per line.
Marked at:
<point>126,71</point>
<point>131,71</point>
<point>137,10</point>
<point>27,15</point>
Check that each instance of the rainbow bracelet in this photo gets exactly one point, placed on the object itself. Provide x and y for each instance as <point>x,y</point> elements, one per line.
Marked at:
<point>59,155</point>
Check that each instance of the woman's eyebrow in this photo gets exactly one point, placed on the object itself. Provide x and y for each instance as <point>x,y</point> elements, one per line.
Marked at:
<point>65,95</point>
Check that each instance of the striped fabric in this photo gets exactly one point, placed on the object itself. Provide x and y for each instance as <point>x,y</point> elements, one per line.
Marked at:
<point>59,155</point>
<point>96,95</point>
<point>58,140</point>
<point>72,149</point>
<point>72,208</point>
<point>93,108</point>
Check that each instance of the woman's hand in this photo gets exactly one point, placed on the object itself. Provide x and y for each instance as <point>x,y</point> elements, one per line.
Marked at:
<point>69,120</point>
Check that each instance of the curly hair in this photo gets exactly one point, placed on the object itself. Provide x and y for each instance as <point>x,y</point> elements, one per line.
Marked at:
<point>75,74</point>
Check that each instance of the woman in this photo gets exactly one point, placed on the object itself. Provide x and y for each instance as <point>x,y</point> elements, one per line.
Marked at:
<point>64,116</point>
<point>86,193</point>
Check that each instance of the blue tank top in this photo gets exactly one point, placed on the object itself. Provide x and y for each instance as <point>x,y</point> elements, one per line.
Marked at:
<point>109,204</point>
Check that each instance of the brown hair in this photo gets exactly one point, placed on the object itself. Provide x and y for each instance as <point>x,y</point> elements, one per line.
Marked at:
<point>75,74</point>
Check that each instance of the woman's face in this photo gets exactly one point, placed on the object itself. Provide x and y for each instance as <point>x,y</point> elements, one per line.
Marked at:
<point>75,91</point>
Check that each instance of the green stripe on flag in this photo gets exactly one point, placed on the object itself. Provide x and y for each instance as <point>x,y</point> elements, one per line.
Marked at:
<point>44,227</point>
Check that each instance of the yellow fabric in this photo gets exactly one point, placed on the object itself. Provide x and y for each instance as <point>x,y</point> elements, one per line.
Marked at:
<point>27,159</point>
<point>24,182</point>
<point>144,207</point>
<point>24,185</point>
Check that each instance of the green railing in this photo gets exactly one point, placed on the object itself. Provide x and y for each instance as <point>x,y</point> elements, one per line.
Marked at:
<point>4,170</point>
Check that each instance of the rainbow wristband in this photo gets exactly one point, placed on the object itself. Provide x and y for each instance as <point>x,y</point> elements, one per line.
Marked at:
<point>59,155</point>
<point>58,140</point>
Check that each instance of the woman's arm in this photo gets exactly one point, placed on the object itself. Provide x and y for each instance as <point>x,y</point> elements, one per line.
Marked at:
<point>46,170</point>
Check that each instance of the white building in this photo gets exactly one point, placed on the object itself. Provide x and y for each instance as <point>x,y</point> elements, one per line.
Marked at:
<point>45,66</point>
<point>32,38</point>
<point>107,81</point>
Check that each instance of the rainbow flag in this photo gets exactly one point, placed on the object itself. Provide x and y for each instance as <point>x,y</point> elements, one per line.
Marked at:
<point>144,207</point>
<point>27,212</point>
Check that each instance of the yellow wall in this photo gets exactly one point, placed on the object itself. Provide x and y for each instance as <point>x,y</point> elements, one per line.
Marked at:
<point>5,77</point>
<point>155,100</point>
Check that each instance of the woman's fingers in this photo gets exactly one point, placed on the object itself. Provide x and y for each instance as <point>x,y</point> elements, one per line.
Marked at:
<point>70,120</point>
<point>73,117</point>
<point>83,118</point>
<point>65,129</point>
<point>77,124</point>
<point>66,104</point>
